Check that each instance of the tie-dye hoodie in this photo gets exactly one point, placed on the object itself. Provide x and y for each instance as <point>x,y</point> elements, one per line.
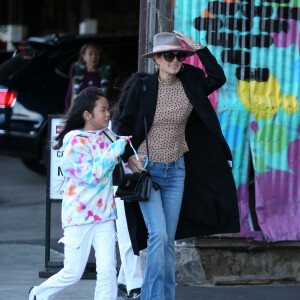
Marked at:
<point>87,165</point>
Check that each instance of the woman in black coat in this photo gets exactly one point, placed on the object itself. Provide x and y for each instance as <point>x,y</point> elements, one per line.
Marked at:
<point>189,159</point>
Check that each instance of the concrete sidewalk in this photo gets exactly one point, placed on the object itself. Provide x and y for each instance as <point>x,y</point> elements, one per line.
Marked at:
<point>22,251</point>
<point>20,265</point>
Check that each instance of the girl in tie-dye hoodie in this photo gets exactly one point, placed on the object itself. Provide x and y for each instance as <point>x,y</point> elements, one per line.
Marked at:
<point>88,206</point>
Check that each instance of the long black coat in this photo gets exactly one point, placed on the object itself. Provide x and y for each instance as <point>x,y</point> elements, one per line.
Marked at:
<point>209,202</point>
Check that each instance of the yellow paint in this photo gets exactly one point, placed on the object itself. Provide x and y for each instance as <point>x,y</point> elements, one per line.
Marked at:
<point>264,98</point>
<point>243,90</point>
<point>290,104</point>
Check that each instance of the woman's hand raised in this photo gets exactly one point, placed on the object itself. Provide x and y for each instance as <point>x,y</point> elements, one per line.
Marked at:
<point>189,42</point>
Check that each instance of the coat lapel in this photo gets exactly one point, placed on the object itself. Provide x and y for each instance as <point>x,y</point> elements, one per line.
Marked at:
<point>201,104</point>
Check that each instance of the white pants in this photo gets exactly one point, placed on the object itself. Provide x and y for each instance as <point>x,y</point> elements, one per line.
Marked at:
<point>130,272</point>
<point>78,241</point>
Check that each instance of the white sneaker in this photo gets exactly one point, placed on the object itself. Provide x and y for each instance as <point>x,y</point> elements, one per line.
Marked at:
<point>32,296</point>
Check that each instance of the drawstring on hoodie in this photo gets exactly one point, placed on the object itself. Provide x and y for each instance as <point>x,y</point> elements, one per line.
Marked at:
<point>134,151</point>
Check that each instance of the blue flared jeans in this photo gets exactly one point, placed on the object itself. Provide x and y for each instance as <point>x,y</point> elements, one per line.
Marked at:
<point>161,215</point>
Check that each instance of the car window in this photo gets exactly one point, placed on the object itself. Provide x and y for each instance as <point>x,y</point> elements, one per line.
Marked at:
<point>63,68</point>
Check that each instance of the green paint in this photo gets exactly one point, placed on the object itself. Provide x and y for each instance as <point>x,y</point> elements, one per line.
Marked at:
<point>272,138</point>
<point>260,163</point>
<point>293,3</point>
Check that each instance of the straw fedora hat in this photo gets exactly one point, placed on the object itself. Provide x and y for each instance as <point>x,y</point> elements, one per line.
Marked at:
<point>167,42</point>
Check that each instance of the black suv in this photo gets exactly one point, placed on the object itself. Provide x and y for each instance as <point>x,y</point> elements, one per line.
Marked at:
<point>34,82</point>
<point>4,55</point>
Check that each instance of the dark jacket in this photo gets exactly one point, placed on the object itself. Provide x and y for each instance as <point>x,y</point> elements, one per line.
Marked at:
<point>209,202</point>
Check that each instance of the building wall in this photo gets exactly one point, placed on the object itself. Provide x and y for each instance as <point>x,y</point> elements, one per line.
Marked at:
<point>258,45</point>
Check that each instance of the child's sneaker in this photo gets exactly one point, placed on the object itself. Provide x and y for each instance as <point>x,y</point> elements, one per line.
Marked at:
<point>32,296</point>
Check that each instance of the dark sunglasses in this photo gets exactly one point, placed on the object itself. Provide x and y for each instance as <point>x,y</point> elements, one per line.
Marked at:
<point>169,56</point>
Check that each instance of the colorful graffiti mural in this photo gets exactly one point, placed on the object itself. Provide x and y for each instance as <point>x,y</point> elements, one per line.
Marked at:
<point>258,45</point>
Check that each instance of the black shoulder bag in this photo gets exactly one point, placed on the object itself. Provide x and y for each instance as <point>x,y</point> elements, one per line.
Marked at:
<point>136,186</point>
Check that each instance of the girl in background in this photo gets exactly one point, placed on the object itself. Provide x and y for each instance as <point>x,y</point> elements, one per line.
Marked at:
<point>88,206</point>
<point>89,70</point>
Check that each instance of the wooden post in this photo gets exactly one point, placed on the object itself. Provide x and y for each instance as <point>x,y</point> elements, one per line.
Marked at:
<point>155,16</point>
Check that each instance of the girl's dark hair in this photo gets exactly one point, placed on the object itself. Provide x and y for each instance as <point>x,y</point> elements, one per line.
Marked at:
<point>118,107</point>
<point>85,101</point>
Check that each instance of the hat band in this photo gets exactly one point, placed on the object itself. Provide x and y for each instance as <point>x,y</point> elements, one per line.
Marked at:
<point>166,48</point>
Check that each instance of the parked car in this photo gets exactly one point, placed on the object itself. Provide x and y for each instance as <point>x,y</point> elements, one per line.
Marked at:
<point>34,82</point>
<point>5,54</point>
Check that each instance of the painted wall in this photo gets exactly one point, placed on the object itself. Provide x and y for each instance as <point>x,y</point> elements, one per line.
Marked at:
<point>258,45</point>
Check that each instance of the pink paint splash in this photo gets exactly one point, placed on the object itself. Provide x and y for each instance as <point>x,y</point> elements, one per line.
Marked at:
<point>244,212</point>
<point>283,39</point>
<point>81,206</point>
<point>277,195</point>
<point>254,126</point>
<point>74,141</point>
<point>277,205</point>
<point>99,203</point>
<point>97,218</point>
<point>89,214</point>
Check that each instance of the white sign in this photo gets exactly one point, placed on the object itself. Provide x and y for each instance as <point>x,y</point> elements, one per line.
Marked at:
<point>56,180</point>
<point>56,175</point>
